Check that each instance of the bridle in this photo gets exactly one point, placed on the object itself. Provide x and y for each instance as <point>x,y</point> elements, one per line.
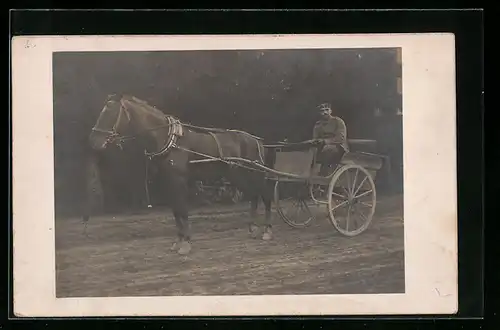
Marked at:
<point>114,137</point>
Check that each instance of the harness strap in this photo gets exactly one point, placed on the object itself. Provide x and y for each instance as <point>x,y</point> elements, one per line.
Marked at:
<point>175,131</point>
<point>220,130</point>
<point>255,166</point>
<point>236,161</point>
<point>217,142</point>
<point>260,152</point>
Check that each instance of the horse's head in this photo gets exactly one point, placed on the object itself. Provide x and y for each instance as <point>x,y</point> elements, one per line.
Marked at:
<point>111,125</point>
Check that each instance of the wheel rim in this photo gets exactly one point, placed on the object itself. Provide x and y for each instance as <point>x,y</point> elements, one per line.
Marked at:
<point>296,212</point>
<point>351,200</point>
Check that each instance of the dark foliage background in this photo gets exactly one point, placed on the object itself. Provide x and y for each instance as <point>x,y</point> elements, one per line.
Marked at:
<point>270,93</point>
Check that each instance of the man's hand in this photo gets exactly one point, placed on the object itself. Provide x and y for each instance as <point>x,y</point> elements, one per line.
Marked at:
<point>316,141</point>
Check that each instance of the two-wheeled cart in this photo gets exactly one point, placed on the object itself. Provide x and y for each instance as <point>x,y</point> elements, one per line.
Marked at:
<point>348,190</point>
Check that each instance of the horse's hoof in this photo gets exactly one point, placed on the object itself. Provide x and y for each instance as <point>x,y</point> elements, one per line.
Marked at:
<point>185,248</point>
<point>253,231</point>
<point>174,246</point>
<point>267,236</point>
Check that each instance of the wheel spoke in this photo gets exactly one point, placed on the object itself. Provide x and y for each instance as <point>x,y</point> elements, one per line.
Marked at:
<point>348,218</point>
<point>356,221</point>
<point>304,205</point>
<point>298,208</point>
<point>360,185</point>
<point>366,204</point>
<point>339,195</point>
<point>364,193</point>
<point>363,216</point>
<point>354,182</point>
<point>348,183</point>
<point>339,205</point>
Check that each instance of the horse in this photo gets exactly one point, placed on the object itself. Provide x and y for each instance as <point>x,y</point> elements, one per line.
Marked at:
<point>174,147</point>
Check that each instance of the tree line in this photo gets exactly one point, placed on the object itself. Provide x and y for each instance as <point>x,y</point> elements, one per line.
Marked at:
<point>272,94</point>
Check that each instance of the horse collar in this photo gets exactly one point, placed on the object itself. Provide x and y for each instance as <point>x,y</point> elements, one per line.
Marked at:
<point>175,131</point>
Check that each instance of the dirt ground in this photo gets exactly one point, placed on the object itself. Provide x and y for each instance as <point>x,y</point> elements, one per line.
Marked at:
<point>130,256</point>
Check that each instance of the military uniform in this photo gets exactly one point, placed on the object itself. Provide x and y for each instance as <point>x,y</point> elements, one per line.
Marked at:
<point>334,132</point>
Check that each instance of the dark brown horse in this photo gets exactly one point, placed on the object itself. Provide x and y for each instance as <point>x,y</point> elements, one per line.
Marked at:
<point>174,147</point>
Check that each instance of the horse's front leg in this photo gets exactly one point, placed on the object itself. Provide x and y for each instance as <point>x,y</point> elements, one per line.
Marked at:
<point>253,228</point>
<point>183,243</point>
<point>179,193</point>
<point>267,198</point>
<point>180,196</point>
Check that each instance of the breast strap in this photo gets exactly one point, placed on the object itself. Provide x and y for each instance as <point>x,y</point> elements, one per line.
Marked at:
<point>175,131</point>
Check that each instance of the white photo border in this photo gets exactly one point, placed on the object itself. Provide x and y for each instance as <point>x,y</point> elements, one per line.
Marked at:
<point>430,181</point>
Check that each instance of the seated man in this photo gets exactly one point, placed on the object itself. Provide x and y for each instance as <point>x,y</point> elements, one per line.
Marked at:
<point>331,133</point>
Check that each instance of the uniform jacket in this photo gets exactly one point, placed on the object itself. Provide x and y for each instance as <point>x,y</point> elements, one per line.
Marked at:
<point>333,130</point>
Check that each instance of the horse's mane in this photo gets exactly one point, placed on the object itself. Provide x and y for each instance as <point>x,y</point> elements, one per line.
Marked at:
<point>143,104</point>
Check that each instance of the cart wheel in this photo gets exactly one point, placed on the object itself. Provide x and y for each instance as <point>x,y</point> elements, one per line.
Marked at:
<point>293,203</point>
<point>351,200</point>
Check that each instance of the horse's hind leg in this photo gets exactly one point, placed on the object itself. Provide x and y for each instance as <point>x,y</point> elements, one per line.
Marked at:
<point>261,191</point>
<point>183,243</point>
<point>243,180</point>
